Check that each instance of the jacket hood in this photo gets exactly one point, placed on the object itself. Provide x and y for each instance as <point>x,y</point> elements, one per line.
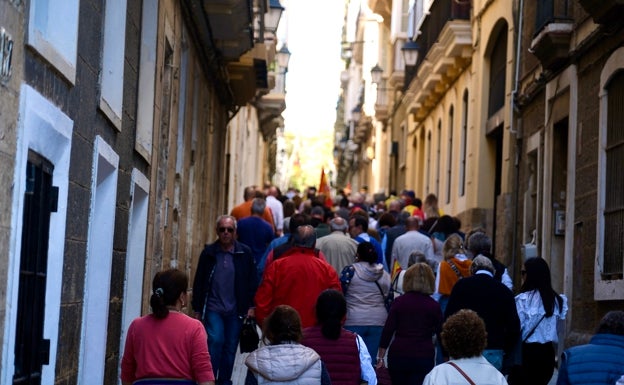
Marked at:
<point>368,272</point>
<point>285,362</point>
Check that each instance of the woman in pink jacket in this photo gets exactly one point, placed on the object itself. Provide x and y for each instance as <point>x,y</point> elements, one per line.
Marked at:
<point>167,344</point>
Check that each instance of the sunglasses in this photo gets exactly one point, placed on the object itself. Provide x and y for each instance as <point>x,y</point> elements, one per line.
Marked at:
<point>226,229</point>
<point>523,272</point>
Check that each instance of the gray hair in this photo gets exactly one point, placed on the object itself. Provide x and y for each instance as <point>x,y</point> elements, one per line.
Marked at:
<point>416,256</point>
<point>257,206</point>
<point>479,243</point>
<point>305,236</point>
<point>338,224</point>
<point>225,216</point>
<point>481,263</point>
<point>612,323</point>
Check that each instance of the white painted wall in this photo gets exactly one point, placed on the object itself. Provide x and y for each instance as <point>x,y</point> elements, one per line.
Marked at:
<point>56,41</point>
<point>98,263</point>
<point>111,80</point>
<point>135,254</point>
<point>147,73</point>
<point>45,129</point>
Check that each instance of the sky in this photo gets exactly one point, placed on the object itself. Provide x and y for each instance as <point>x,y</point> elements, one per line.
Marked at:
<point>312,30</point>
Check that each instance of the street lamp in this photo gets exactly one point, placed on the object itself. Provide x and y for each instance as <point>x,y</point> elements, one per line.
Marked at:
<point>376,73</point>
<point>271,19</point>
<point>283,57</point>
<point>356,113</point>
<point>410,52</point>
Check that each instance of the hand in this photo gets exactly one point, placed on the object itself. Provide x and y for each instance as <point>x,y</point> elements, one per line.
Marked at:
<point>380,363</point>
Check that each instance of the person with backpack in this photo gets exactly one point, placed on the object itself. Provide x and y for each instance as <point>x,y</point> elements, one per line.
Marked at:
<point>366,285</point>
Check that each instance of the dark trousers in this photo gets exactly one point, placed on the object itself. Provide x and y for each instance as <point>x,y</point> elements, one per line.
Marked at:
<point>538,365</point>
<point>409,371</point>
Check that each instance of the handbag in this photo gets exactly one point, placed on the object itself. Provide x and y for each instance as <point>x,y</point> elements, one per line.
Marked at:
<point>248,336</point>
<point>514,357</point>
<point>387,299</point>
<point>383,376</point>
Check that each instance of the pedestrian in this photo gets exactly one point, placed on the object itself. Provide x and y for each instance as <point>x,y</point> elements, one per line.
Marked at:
<point>464,338</point>
<point>413,320</point>
<point>366,285</point>
<point>600,361</point>
<point>296,279</point>
<point>479,243</point>
<point>338,247</point>
<point>243,210</point>
<point>540,309</point>
<point>223,291</point>
<point>494,303</point>
<point>277,209</point>
<point>283,359</point>
<point>411,241</point>
<point>167,343</point>
<point>397,281</point>
<point>454,267</point>
<point>254,231</point>
<point>344,352</point>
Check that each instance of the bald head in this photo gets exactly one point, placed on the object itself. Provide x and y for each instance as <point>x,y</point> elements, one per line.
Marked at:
<point>412,223</point>
<point>273,191</point>
<point>305,236</point>
<point>249,193</point>
<point>339,224</point>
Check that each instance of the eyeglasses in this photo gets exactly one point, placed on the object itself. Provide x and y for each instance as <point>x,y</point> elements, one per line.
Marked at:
<point>226,229</point>
<point>523,272</point>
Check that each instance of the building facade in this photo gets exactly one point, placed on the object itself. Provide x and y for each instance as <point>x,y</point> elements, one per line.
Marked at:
<point>119,136</point>
<point>510,116</point>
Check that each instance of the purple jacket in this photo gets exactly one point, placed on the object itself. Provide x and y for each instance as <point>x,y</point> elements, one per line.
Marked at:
<point>413,319</point>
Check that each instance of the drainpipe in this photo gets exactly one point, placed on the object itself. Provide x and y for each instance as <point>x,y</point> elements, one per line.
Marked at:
<point>515,131</point>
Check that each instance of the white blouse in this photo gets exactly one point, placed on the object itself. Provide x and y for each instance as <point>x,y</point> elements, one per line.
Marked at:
<point>531,310</point>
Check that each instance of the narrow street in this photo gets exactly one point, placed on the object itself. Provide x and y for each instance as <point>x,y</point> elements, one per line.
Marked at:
<point>129,128</point>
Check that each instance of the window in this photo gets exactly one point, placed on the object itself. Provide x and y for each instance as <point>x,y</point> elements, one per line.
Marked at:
<point>614,189</point>
<point>463,145</point>
<point>55,41</point>
<point>147,77</point>
<point>428,168</point>
<point>449,158</point>
<point>111,80</point>
<point>609,269</point>
<point>498,64</point>
<point>438,159</point>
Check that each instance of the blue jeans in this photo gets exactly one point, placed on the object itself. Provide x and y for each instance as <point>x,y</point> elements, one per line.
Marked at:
<point>223,331</point>
<point>371,336</point>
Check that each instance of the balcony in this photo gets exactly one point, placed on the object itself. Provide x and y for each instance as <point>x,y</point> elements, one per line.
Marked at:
<point>604,11</point>
<point>236,64</point>
<point>382,8</point>
<point>446,50</point>
<point>553,31</point>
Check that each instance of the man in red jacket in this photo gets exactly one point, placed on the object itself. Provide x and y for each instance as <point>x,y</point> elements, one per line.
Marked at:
<point>296,279</point>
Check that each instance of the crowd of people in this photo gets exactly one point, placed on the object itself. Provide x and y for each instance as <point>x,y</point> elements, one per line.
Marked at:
<point>331,287</point>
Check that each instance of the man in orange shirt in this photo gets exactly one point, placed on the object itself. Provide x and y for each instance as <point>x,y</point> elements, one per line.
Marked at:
<point>244,209</point>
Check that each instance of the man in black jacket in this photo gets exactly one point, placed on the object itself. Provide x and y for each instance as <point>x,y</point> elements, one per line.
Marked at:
<point>494,303</point>
<point>223,290</point>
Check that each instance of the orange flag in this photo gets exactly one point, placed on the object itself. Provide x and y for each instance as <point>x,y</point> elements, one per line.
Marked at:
<point>325,190</point>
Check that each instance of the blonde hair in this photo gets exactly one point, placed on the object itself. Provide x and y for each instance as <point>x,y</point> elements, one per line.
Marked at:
<point>419,278</point>
<point>452,246</point>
